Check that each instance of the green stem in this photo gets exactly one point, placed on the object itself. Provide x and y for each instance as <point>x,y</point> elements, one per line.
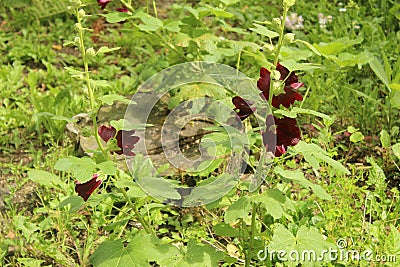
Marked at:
<point>92,99</point>
<point>145,225</point>
<point>155,8</point>
<point>278,50</point>
<point>252,234</point>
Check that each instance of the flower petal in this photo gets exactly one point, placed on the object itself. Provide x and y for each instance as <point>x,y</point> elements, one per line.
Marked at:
<point>106,132</point>
<point>243,106</point>
<point>86,189</point>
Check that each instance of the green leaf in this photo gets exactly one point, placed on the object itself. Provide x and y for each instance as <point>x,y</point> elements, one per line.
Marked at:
<point>123,124</point>
<point>392,242</point>
<point>385,138</point>
<point>377,176</point>
<point>159,187</point>
<point>115,17</point>
<point>63,118</point>
<point>292,65</point>
<point>274,201</point>
<point>230,2</point>
<point>134,191</point>
<point>336,46</point>
<point>396,150</point>
<point>264,31</point>
<point>151,23</point>
<point>106,49</point>
<point>298,176</point>
<point>110,99</point>
<point>238,210</point>
<point>44,178</point>
<point>31,262</point>
<point>356,137</point>
<point>295,110</point>
<point>224,229</point>
<point>310,46</point>
<point>107,167</point>
<point>314,154</point>
<point>142,249</point>
<point>395,99</point>
<point>218,12</point>
<point>100,83</point>
<point>379,71</point>
<point>197,255</point>
<point>81,168</point>
<point>74,72</point>
<point>173,26</point>
<point>73,202</point>
<point>307,239</point>
<point>395,86</point>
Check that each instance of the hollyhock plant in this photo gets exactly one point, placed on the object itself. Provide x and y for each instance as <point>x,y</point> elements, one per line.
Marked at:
<point>108,132</point>
<point>285,129</point>
<point>86,189</point>
<point>103,3</point>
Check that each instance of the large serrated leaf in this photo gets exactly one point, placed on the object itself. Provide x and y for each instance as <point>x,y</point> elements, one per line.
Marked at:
<point>141,250</point>
<point>238,210</point>
<point>44,178</point>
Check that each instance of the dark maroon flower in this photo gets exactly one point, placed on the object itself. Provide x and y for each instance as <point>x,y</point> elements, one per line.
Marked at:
<point>103,3</point>
<point>287,134</point>
<point>86,189</point>
<point>108,132</point>
<point>122,9</point>
<point>284,75</point>
<point>243,107</point>
<point>291,85</point>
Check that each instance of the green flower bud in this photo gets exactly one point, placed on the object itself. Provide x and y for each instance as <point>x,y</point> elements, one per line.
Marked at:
<point>78,27</point>
<point>90,52</point>
<point>288,38</point>
<point>277,21</point>
<point>81,13</point>
<point>77,41</point>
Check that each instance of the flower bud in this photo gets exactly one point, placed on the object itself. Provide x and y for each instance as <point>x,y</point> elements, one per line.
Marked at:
<point>289,3</point>
<point>90,52</point>
<point>78,27</point>
<point>70,9</point>
<point>277,21</point>
<point>81,13</point>
<point>288,38</point>
<point>77,41</point>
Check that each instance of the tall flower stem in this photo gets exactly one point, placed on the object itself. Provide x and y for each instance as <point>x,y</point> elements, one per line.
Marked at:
<point>278,47</point>
<point>249,254</point>
<point>93,106</point>
<point>92,99</point>
<point>145,225</point>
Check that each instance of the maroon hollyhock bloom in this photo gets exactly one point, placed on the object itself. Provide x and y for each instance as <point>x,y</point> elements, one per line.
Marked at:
<point>86,189</point>
<point>108,132</point>
<point>103,3</point>
<point>243,107</point>
<point>287,134</point>
<point>291,85</point>
<point>122,9</point>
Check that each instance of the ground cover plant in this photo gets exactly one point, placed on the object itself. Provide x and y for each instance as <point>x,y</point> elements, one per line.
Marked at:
<point>287,111</point>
